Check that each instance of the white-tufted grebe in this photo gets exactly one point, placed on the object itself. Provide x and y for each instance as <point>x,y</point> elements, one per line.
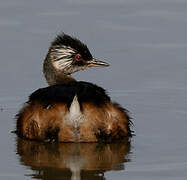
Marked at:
<point>70,110</point>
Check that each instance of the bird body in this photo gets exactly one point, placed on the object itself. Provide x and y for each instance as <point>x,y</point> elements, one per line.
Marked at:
<point>70,110</point>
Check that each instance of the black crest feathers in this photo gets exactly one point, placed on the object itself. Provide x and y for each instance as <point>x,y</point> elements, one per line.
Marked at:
<point>66,40</point>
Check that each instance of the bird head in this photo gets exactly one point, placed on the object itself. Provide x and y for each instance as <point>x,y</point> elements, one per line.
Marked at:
<point>68,55</point>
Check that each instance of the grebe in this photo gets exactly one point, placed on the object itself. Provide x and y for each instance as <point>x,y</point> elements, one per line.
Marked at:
<point>70,110</point>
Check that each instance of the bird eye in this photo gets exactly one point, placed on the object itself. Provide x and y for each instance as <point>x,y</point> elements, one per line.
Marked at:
<point>78,57</point>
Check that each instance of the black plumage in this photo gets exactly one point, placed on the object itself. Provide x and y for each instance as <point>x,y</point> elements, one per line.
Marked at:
<point>65,92</point>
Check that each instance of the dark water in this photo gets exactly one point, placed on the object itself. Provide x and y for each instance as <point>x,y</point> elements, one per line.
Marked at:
<point>145,41</point>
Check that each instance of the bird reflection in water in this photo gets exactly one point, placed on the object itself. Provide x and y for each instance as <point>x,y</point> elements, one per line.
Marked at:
<point>75,161</point>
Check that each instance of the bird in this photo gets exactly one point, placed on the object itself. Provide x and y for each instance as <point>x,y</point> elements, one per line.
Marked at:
<point>68,110</point>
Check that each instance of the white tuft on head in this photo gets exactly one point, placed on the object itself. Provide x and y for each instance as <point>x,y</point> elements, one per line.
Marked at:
<point>62,56</point>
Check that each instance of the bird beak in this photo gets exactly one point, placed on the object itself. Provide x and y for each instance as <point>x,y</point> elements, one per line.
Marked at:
<point>96,63</point>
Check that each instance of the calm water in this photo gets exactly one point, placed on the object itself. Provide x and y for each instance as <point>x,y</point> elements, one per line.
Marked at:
<point>145,41</point>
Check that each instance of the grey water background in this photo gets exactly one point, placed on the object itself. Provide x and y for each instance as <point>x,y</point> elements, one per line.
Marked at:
<point>145,41</point>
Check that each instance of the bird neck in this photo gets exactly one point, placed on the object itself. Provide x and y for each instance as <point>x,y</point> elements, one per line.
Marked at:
<point>61,78</point>
<point>52,75</point>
